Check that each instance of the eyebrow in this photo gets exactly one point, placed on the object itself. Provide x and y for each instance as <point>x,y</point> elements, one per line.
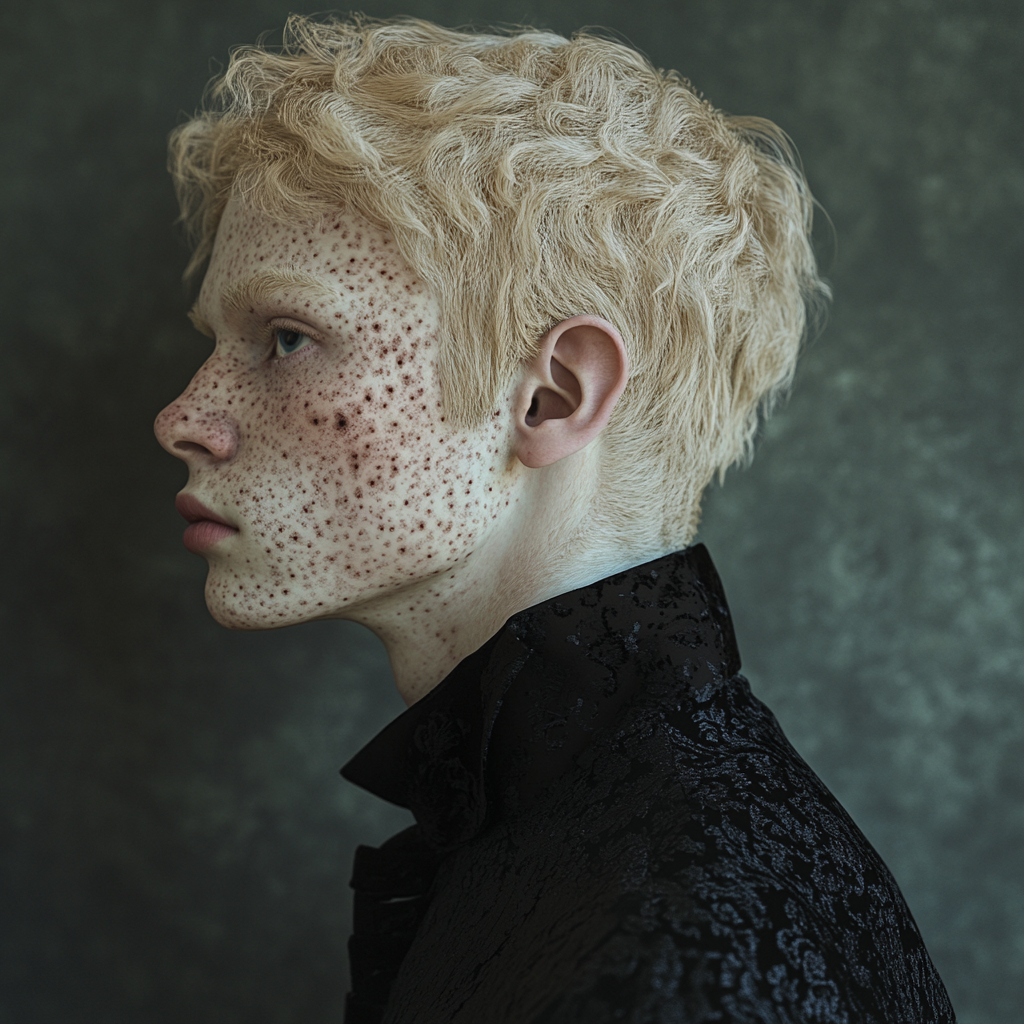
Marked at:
<point>263,285</point>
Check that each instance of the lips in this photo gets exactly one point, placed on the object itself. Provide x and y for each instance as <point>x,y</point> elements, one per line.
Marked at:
<point>205,528</point>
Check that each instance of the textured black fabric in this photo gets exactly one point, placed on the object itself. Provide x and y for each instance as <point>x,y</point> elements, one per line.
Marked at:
<point>610,827</point>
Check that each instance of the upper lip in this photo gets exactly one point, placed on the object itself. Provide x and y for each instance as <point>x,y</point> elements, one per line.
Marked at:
<point>194,510</point>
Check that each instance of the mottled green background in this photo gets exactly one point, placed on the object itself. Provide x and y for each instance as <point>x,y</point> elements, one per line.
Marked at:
<point>175,839</point>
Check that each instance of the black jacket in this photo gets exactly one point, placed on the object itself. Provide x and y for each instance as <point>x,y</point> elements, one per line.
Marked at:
<point>610,827</point>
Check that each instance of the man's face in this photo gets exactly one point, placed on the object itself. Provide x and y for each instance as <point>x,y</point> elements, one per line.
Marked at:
<point>315,428</point>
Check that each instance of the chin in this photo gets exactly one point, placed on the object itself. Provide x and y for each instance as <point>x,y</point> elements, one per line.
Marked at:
<point>233,613</point>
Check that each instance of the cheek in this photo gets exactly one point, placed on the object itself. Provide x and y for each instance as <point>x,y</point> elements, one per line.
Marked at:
<point>353,446</point>
<point>378,417</point>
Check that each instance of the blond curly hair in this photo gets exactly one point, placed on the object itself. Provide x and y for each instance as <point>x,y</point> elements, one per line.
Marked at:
<point>528,178</point>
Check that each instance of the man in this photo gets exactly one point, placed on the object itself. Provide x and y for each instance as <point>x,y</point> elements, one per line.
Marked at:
<point>490,312</point>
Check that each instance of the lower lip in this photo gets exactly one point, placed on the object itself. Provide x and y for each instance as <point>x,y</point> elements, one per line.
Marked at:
<point>202,536</point>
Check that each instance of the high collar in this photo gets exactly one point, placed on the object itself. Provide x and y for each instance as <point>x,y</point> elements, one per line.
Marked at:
<point>515,714</point>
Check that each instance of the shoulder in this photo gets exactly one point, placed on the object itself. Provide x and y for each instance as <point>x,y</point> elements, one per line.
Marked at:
<point>747,893</point>
<point>755,957</point>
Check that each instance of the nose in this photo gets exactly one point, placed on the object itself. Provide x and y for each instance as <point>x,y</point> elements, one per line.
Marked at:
<point>194,429</point>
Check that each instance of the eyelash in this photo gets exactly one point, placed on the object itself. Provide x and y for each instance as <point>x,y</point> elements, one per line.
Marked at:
<point>291,328</point>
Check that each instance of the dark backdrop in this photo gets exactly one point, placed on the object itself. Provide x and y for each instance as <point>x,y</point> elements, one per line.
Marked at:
<point>175,839</point>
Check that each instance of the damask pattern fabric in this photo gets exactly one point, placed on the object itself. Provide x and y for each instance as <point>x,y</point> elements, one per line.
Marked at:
<point>611,827</point>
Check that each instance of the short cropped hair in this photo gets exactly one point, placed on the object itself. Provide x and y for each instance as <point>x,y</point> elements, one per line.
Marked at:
<point>528,178</point>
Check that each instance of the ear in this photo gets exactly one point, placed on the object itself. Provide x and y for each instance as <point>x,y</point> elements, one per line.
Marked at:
<point>569,390</point>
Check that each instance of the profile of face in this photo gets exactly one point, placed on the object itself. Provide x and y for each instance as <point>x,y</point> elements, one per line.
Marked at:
<point>323,478</point>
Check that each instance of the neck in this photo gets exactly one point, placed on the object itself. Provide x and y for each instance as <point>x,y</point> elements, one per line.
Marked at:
<point>535,552</point>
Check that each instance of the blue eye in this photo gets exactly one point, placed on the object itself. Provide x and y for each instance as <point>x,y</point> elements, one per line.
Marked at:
<point>289,341</point>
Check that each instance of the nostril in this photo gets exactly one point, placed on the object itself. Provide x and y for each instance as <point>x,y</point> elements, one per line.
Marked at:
<point>190,448</point>
<point>189,433</point>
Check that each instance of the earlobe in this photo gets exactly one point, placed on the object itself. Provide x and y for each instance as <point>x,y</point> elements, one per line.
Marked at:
<point>569,390</point>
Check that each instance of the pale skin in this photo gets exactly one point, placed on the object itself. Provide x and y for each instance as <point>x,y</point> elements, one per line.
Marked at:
<point>316,430</point>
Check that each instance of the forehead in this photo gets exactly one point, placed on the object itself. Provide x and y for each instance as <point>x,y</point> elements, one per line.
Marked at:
<point>244,228</point>
<point>341,255</point>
